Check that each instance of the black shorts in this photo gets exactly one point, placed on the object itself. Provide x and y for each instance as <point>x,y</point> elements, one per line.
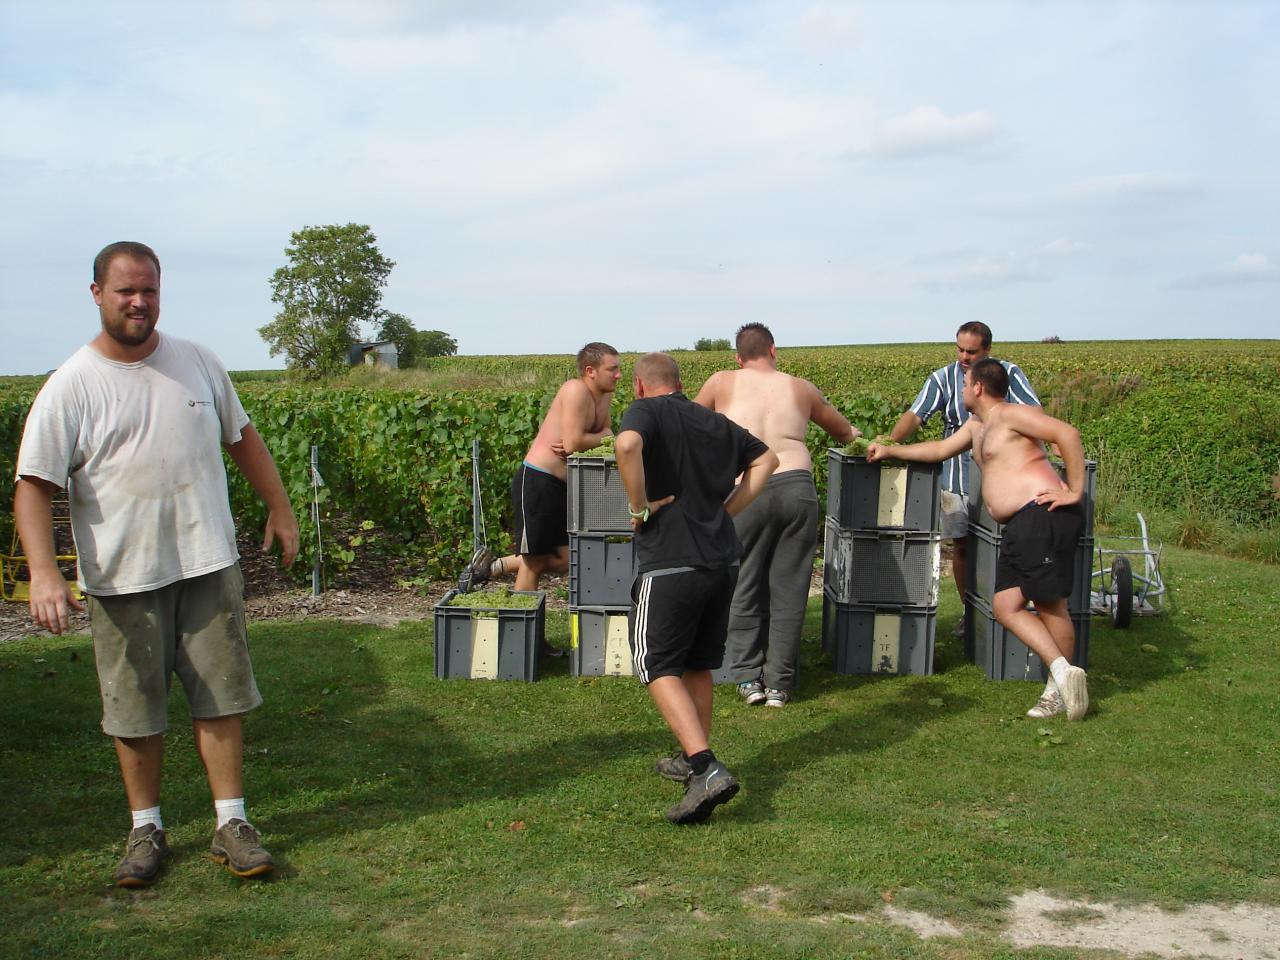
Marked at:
<point>680,620</point>
<point>541,504</point>
<point>1037,552</point>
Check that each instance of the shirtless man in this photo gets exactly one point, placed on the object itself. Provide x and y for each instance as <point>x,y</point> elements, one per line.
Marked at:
<point>779,531</point>
<point>577,420</point>
<point>1042,516</point>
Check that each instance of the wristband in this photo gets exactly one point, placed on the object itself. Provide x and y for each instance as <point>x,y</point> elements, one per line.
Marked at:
<point>641,515</point>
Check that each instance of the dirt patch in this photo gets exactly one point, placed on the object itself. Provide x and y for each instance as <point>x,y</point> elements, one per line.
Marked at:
<point>1038,919</point>
<point>1245,931</point>
<point>373,594</point>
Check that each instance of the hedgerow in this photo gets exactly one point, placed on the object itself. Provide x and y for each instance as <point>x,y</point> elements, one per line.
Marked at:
<point>1195,422</point>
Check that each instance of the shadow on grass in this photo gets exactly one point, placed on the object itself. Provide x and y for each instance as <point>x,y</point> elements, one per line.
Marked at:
<point>916,705</point>
<point>335,747</point>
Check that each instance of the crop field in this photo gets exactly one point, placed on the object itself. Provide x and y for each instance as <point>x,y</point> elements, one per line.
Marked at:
<point>1187,431</point>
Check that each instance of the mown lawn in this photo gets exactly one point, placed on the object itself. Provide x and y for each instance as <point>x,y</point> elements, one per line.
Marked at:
<point>414,817</point>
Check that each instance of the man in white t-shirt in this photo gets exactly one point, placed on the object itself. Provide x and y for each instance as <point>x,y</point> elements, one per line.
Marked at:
<point>133,426</point>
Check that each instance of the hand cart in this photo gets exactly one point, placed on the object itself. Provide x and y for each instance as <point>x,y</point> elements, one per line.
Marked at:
<point>1127,579</point>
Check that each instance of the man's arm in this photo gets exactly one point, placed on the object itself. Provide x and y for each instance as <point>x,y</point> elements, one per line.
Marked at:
<point>752,482</point>
<point>1033,422</point>
<point>825,415</point>
<point>577,416</point>
<point>931,451</point>
<point>710,392</point>
<point>629,449</point>
<point>906,427</point>
<point>253,459</point>
<point>50,595</point>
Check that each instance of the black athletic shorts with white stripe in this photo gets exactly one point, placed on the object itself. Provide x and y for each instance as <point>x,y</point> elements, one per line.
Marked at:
<point>681,619</point>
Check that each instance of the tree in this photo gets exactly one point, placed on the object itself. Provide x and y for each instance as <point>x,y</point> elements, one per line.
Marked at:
<point>435,343</point>
<point>331,285</point>
<point>706,343</point>
<point>397,328</point>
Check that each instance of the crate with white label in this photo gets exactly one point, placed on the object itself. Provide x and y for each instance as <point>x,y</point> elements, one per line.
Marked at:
<point>489,643</point>
<point>866,638</point>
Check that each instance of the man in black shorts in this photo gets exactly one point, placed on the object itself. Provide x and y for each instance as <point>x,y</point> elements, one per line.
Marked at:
<point>578,419</point>
<point>678,463</point>
<point>1042,516</point>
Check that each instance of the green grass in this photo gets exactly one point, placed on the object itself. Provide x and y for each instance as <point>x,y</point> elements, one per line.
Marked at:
<point>414,817</point>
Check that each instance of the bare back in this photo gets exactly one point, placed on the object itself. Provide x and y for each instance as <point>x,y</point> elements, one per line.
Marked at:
<point>1015,468</point>
<point>772,405</point>
<point>575,410</point>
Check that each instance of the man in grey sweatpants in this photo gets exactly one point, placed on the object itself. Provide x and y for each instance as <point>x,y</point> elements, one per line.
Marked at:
<point>779,531</point>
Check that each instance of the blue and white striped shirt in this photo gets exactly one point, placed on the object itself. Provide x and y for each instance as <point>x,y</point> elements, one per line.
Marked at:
<point>944,390</point>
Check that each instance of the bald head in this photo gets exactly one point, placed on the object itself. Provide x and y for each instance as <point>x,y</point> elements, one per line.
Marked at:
<point>658,373</point>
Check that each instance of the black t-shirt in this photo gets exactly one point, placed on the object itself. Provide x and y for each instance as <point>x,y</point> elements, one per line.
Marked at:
<point>695,454</point>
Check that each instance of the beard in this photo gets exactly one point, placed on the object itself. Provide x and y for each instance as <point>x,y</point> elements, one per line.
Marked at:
<point>127,331</point>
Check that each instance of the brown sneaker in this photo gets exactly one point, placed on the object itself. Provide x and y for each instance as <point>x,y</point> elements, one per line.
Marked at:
<point>237,844</point>
<point>144,853</point>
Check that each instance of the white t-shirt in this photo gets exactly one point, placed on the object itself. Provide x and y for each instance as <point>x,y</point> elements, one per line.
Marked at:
<point>139,447</point>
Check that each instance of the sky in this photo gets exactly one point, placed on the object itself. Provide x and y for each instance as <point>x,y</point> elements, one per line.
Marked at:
<point>651,173</point>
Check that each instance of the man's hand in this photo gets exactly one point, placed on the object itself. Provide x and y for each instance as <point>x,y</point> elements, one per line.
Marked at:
<point>654,506</point>
<point>51,603</point>
<point>1063,497</point>
<point>282,525</point>
<point>879,451</point>
<point>557,447</point>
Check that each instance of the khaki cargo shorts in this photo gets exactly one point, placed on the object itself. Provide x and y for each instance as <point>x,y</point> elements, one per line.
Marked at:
<point>194,628</point>
<point>955,515</point>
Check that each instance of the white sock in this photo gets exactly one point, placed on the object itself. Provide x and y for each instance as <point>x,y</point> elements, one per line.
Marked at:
<point>150,815</point>
<point>1058,669</point>
<point>1050,687</point>
<point>228,810</point>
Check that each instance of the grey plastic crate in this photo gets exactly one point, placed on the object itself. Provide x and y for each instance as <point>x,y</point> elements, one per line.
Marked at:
<point>489,644</point>
<point>874,496</point>
<point>980,517</point>
<point>876,639</point>
<point>601,569</point>
<point>984,556</point>
<point>881,567</point>
<point>600,642</point>
<point>597,501</point>
<point>1001,655</point>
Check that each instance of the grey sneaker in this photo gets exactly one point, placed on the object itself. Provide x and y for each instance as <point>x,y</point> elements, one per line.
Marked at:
<point>1075,693</point>
<point>1049,705</point>
<point>237,844</point>
<point>675,767</point>
<point>751,691</point>
<point>776,698</point>
<point>477,569</point>
<point>958,630</point>
<point>144,853</point>
<point>703,793</point>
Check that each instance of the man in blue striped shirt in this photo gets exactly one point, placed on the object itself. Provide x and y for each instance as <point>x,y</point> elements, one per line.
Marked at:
<point>943,391</point>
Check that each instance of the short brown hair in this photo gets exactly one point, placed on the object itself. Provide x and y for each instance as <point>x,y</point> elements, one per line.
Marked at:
<point>592,354</point>
<point>121,248</point>
<point>754,340</point>
<point>980,328</point>
<point>994,378</point>
<point>657,370</point>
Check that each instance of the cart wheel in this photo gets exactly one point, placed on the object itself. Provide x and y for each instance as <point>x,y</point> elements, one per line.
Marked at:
<point>1122,582</point>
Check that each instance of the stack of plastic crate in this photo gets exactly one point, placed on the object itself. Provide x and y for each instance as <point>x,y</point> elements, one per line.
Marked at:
<point>601,568</point>
<point>881,561</point>
<point>1000,654</point>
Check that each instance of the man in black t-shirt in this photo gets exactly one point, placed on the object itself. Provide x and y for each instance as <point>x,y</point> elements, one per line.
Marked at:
<point>679,462</point>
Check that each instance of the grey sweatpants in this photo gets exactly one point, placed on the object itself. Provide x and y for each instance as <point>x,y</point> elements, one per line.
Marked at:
<point>779,534</point>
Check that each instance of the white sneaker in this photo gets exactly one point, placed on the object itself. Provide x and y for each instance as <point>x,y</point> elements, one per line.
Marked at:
<point>775,698</point>
<point>1075,693</point>
<point>1049,705</point>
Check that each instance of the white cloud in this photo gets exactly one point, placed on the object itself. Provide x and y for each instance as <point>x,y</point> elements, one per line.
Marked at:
<point>927,131</point>
<point>1063,247</point>
<point>1124,187</point>
<point>1244,269</point>
<point>985,273</point>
